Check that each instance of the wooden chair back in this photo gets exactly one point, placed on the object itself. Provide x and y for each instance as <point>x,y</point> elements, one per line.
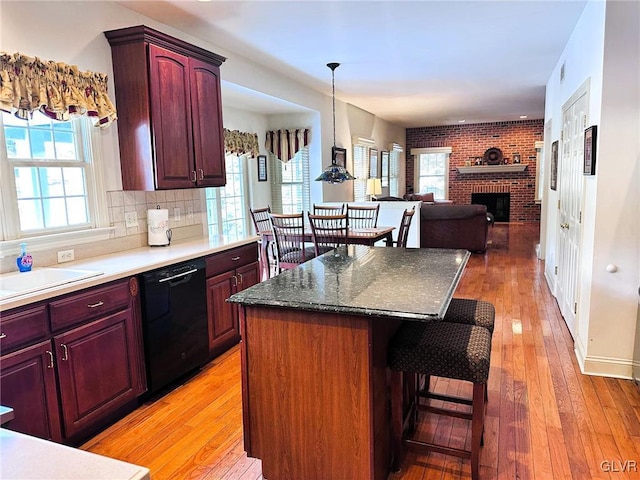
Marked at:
<point>328,231</point>
<point>260,217</point>
<point>403,231</point>
<point>363,216</point>
<point>288,230</point>
<point>328,209</point>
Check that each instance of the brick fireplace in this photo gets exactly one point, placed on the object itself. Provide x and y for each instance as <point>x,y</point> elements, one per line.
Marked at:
<point>471,141</point>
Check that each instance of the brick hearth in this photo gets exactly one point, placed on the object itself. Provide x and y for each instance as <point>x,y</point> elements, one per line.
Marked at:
<point>470,141</point>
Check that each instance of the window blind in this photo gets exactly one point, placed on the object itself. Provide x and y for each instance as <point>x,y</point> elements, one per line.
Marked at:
<point>290,186</point>
<point>361,172</point>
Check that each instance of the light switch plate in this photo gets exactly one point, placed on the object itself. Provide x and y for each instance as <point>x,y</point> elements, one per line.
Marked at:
<point>176,214</point>
<point>131,219</point>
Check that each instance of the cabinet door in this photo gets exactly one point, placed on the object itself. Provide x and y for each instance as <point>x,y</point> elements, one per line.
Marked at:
<point>223,321</point>
<point>248,275</point>
<point>28,385</point>
<point>97,370</point>
<point>171,118</point>
<point>206,109</point>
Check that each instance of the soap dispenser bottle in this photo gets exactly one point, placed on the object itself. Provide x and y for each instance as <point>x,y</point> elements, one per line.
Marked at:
<point>24,260</point>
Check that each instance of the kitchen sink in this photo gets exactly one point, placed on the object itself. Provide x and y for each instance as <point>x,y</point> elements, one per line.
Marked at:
<point>20,283</point>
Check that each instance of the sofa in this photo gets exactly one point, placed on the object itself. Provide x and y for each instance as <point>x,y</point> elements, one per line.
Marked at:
<point>454,226</point>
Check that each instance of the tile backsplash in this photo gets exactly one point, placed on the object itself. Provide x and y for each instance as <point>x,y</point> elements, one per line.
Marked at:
<point>120,202</point>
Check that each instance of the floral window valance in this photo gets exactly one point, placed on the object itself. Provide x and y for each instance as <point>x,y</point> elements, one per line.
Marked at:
<point>241,143</point>
<point>284,144</point>
<point>58,90</point>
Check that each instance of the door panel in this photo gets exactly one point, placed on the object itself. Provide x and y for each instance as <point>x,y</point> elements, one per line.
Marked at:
<point>570,181</point>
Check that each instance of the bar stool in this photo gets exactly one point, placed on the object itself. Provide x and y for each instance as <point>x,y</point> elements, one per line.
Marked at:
<point>450,350</point>
<point>471,312</point>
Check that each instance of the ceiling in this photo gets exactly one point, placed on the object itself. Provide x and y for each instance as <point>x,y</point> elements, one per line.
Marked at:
<point>412,63</point>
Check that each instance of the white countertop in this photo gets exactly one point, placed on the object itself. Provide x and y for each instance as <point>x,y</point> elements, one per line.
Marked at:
<point>130,262</point>
<point>25,457</point>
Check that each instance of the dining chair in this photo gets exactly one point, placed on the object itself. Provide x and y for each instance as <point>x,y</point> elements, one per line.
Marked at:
<point>361,216</point>
<point>328,209</point>
<point>328,231</point>
<point>291,250</point>
<point>262,223</point>
<point>403,231</point>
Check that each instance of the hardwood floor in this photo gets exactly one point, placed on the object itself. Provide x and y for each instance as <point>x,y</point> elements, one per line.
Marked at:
<point>545,420</point>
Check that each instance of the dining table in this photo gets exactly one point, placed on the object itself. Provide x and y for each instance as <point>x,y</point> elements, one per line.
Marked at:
<point>315,391</point>
<point>355,236</point>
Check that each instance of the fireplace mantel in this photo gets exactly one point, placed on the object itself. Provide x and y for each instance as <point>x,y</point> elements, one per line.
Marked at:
<point>517,167</point>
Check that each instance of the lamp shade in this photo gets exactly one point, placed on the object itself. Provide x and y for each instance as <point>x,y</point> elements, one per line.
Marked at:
<point>374,186</point>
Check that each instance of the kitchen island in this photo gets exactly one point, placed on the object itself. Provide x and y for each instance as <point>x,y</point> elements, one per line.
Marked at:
<point>314,346</point>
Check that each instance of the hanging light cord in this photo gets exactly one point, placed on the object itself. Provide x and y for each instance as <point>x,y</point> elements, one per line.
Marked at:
<point>333,67</point>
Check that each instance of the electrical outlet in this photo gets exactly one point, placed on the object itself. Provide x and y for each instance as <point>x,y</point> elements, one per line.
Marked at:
<point>65,256</point>
<point>130,219</point>
<point>176,214</point>
<point>190,212</point>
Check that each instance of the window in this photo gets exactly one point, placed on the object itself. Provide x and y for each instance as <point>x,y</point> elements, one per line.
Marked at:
<point>290,189</point>
<point>361,147</point>
<point>394,172</point>
<point>432,171</point>
<point>47,176</point>
<point>227,206</point>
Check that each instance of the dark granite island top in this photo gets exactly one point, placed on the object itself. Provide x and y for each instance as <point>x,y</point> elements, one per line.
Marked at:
<point>412,284</point>
<point>315,394</point>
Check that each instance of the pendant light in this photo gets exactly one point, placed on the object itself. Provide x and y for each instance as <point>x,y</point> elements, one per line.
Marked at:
<point>334,173</point>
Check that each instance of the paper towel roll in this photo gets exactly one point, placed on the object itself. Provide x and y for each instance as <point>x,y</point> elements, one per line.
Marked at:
<point>158,224</point>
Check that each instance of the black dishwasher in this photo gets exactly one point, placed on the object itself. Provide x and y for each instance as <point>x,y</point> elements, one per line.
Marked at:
<point>174,320</point>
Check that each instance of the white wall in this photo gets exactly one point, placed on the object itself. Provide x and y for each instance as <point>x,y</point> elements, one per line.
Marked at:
<point>604,50</point>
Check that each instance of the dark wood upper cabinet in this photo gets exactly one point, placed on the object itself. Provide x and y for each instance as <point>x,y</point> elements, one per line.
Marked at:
<point>169,111</point>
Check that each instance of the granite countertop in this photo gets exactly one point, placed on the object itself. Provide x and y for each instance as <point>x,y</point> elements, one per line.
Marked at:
<point>24,456</point>
<point>119,265</point>
<point>407,283</point>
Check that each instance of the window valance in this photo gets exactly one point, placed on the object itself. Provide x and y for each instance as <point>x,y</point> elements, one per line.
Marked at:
<point>58,90</point>
<point>284,144</point>
<point>241,143</point>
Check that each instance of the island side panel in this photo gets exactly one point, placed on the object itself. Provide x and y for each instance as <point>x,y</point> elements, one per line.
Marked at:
<point>308,393</point>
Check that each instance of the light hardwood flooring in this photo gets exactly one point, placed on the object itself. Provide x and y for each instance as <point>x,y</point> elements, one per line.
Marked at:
<point>545,419</point>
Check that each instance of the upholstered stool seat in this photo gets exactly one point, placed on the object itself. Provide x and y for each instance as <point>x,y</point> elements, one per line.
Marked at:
<point>471,312</point>
<point>451,350</point>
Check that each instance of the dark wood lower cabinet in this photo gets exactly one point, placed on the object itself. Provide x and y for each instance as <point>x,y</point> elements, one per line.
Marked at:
<point>73,381</point>
<point>28,385</point>
<point>98,370</point>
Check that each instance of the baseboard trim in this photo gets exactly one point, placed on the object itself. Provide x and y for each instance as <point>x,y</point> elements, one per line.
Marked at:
<point>605,366</point>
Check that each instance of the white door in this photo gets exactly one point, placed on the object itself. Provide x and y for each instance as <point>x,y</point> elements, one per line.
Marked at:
<point>570,168</point>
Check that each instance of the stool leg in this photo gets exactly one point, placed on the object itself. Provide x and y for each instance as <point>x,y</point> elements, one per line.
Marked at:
<point>397,420</point>
<point>477,423</point>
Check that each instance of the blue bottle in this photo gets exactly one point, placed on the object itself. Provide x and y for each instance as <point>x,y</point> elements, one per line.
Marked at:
<point>24,260</point>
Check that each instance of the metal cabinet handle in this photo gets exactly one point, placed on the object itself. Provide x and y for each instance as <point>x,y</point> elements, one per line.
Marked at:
<point>193,178</point>
<point>235,259</point>
<point>65,353</point>
<point>240,277</point>
<point>50,358</point>
<point>201,174</point>
<point>99,304</point>
<point>235,281</point>
<point>3,335</point>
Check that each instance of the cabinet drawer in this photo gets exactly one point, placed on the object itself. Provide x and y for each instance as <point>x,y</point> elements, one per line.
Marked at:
<point>232,259</point>
<point>23,326</point>
<point>88,304</point>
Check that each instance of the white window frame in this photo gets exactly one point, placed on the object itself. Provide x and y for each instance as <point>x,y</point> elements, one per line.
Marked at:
<point>214,196</point>
<point>416,152</point>
<point>300,160</point>
<point>88,146</point>
<point>360,150</point>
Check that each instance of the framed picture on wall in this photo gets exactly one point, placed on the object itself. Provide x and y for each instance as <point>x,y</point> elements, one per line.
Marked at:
<point>373,163</point>
<point>384,168</point>
<point>339,156</point>
<point>590,150</point>
<point>262,168</point>
<point>553,184</point>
